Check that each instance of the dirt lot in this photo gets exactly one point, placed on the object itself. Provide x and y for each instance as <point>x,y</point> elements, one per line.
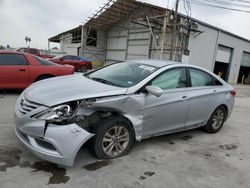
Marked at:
<point>187,159</point>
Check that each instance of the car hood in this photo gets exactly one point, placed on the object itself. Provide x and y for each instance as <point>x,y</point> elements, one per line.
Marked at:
<point>63,89</point>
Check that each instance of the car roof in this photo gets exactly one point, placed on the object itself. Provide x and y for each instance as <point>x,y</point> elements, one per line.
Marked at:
<point>11,52</point>
<point>154,62</point>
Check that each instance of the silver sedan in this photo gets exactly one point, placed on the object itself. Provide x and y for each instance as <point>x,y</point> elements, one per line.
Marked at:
<point>116,105</point>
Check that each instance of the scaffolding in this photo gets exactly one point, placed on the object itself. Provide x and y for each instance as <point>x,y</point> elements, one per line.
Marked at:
<point>156,19</point>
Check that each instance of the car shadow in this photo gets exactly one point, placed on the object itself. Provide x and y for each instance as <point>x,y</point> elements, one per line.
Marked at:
<point>4,92</point>
<point>85,157</point>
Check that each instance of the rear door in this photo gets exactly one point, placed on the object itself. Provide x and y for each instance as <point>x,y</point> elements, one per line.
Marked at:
<point>203,97</point>
<point>13,71</point>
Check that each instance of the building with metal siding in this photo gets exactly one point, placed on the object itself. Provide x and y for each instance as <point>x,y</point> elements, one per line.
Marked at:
<point>129,29</point>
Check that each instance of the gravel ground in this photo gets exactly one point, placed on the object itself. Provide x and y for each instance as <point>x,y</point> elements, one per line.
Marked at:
<point>188,159</point>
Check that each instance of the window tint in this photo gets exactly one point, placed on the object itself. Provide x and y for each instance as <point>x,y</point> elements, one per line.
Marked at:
<point>200,78</point>
<point>21,50</point>
<point>43,61</point>
<point>217,82</point>
<point>175,78</point>
<point>12,59</point>
<point>67,57</point>
<point>33,51</point>
<point>75,58</point>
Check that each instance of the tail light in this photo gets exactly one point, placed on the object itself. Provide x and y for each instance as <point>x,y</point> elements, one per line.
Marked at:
<point>233,93</point>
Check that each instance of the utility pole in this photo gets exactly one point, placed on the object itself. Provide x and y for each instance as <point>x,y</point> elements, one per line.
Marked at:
<point>173,41</point>
<point>163,34</point>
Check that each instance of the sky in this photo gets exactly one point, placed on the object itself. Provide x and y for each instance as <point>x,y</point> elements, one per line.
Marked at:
<point>42,19</point>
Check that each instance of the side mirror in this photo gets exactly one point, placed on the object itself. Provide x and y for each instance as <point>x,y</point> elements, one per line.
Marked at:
<point>61,59</point>
<point>154,90</point>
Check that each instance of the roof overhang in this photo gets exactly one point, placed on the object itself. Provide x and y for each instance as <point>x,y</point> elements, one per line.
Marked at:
<point>116,10</point>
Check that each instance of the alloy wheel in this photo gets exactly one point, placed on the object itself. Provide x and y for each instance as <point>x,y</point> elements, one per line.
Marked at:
<point>115,141</point>
<point>218,119</point>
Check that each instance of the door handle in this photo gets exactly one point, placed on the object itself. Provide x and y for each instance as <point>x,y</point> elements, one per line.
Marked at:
<point>22,70</point>
<point>184,98</point>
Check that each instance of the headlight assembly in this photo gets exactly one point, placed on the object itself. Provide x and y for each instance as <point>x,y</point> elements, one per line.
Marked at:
<point>59,113</point>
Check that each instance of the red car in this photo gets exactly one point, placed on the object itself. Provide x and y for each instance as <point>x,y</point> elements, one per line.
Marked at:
<point>19,70</point>
<point>79,63</point>
<point>34,51</point>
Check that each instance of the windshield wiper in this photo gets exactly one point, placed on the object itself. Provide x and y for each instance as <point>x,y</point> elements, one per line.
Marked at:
<point>103,81</point>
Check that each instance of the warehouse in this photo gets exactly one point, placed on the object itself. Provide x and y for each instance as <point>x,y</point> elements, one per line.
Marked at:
<point>129,29</point>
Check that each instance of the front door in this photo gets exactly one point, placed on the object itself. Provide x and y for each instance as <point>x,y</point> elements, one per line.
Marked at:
<point>13,71</point>
<point>167,112</point>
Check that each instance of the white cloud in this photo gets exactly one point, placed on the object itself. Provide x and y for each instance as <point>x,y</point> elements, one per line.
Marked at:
<point>41,19</point>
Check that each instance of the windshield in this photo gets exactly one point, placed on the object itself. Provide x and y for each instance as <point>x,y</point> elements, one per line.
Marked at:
<point>123,74</point>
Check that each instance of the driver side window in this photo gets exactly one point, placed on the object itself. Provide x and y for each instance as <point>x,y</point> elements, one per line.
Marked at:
<point>174,78</point>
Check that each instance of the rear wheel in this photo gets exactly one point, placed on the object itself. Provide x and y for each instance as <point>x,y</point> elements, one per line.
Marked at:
<point>216,121</point>
<point>114,138</point>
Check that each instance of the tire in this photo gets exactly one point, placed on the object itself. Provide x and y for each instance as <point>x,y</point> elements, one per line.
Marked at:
<point>43,77</point>
<point>113,146</point>
<point>216,120</point>
<point>83,69</point>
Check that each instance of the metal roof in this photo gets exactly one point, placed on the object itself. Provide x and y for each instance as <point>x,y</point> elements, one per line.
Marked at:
<point>117,10</point>
<point>110,14</point>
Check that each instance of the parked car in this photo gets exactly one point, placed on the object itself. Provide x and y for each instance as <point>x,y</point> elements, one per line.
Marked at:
<point>118,104</point>
<point>19,70</point>
<point>35,52</point>
<point>79,63</point>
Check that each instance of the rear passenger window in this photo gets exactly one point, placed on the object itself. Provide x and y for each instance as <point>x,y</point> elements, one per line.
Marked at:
<point>75,58</point>
<point>175,78</point>
<point>67,58</point>
<point>12,60</point>
<point>217,82</point>
<point>21,50</point>
<point>44,61</point>
<point>33,51</point>
<point>200,78</point>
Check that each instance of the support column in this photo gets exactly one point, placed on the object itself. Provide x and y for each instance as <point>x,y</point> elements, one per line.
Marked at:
<point>83,40</point>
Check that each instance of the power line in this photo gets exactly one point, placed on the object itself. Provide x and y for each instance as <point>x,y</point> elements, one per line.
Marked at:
<point>242,1</point>
<point>228,3</point>
<point>217,6</point>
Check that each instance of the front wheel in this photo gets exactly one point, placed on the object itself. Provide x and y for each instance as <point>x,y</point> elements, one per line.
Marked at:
<point>114,138</point>
<point>216,120</point>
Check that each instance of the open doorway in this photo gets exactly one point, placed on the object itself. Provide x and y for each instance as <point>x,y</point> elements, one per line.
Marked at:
<point>221,69</point>
<point>223,61</point>
<point>244,73</point>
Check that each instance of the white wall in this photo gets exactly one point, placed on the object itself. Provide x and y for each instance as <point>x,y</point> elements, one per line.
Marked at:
<point>66,46</point>
<point>203,49</point>
<point>238,46</point>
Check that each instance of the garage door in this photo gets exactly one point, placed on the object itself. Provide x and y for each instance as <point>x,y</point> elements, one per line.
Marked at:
<point>138,43</point>
<point>222,63</point>
<point>116,46</point>
<point>245,60</point>
<point>244,73</point>
<point>223,54</point>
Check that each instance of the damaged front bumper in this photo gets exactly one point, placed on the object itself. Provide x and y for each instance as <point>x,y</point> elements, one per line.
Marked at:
<point>55,143</point>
